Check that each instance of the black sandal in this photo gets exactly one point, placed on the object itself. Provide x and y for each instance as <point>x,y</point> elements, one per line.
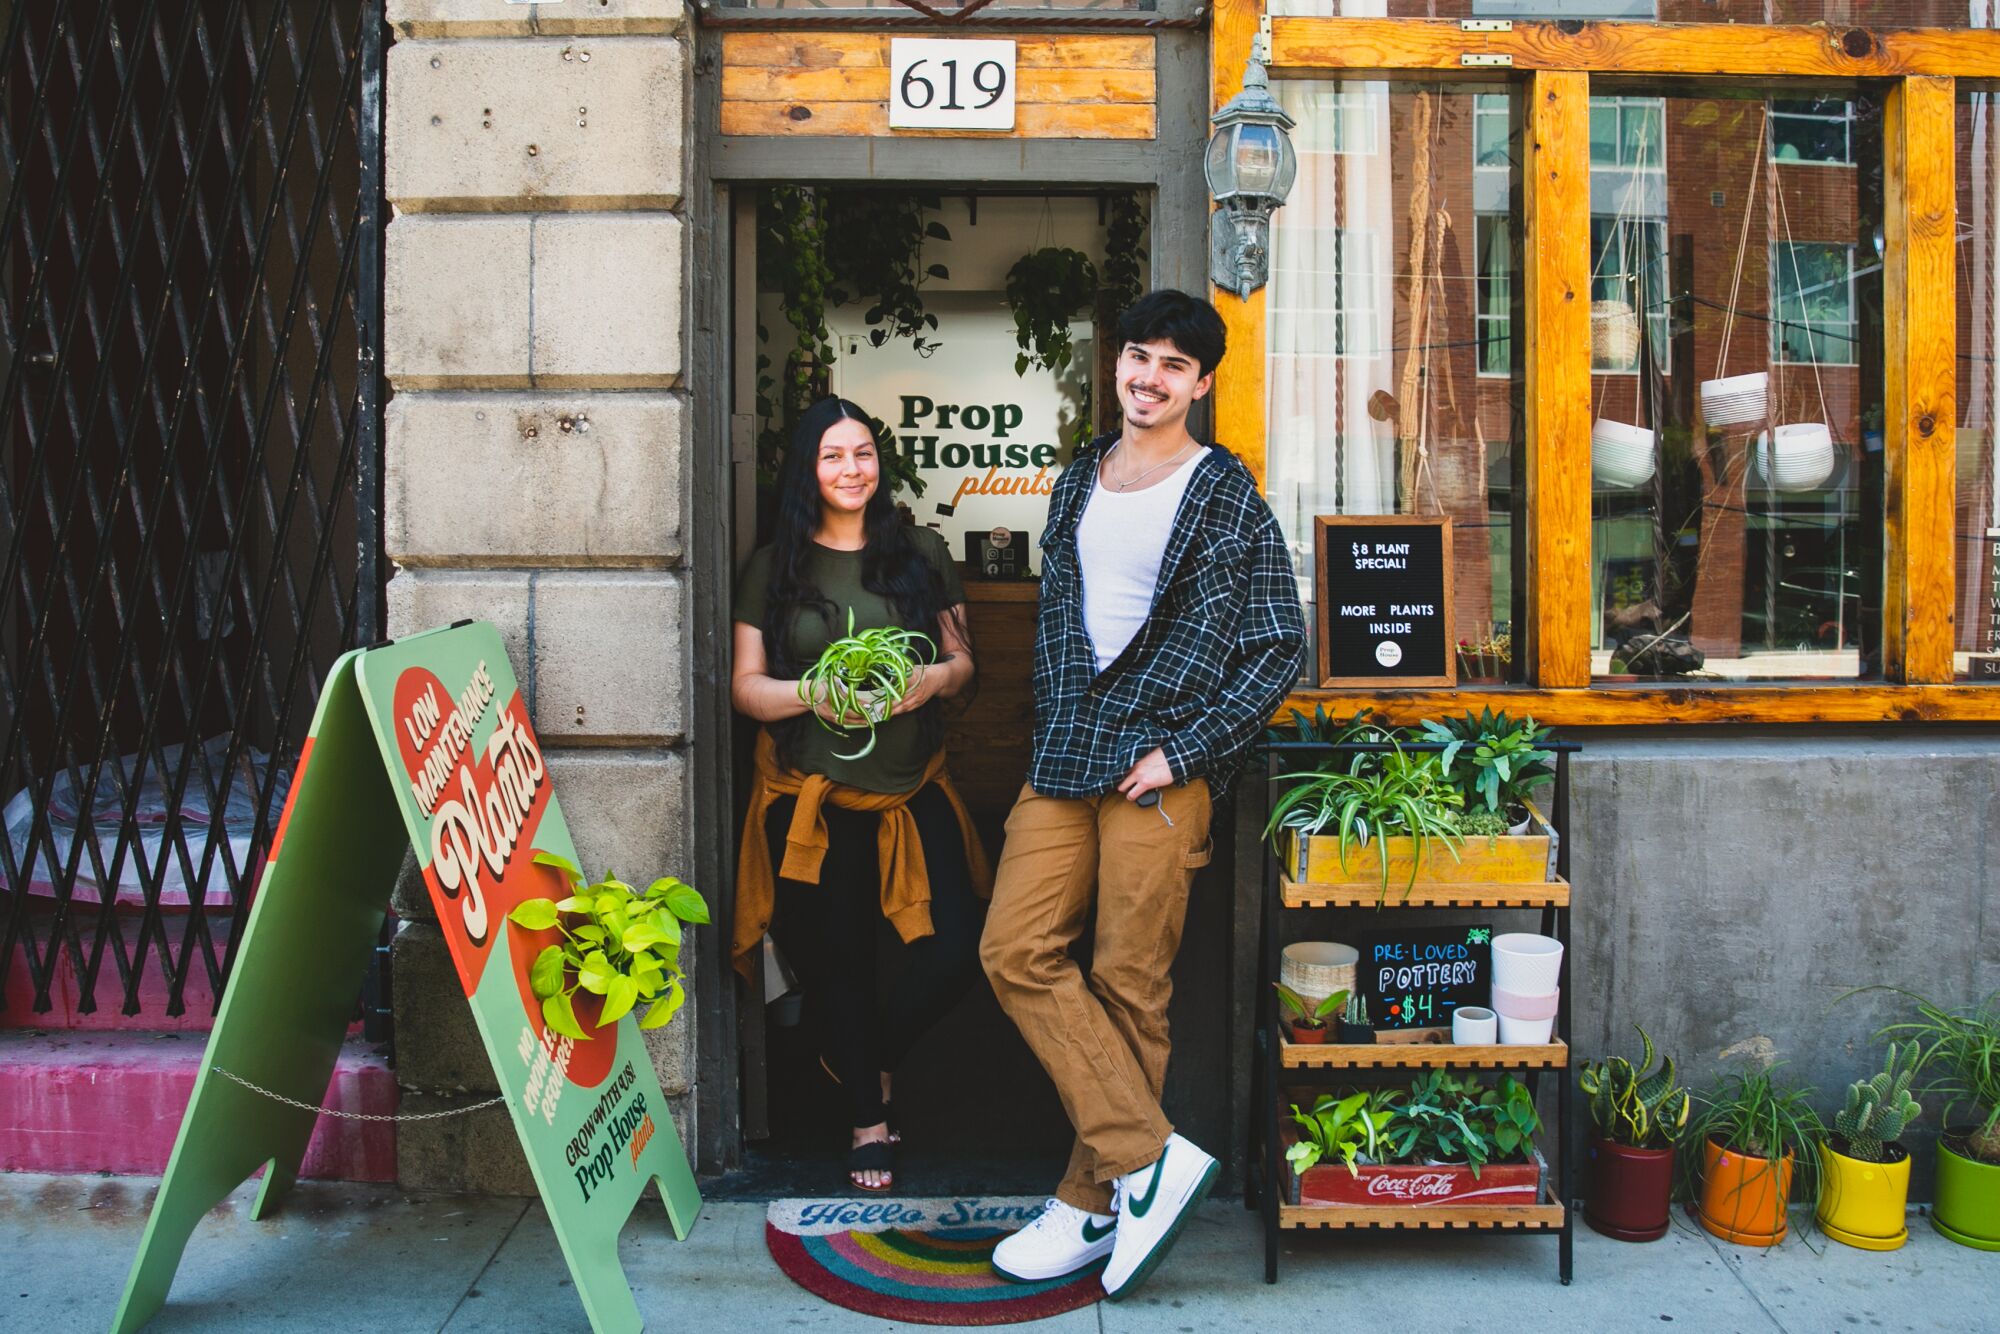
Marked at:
<point>874,1156</point>
<point>888,1110</point>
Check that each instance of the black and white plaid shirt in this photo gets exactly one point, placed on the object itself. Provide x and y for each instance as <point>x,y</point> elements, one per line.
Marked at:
<point>1216,655</point>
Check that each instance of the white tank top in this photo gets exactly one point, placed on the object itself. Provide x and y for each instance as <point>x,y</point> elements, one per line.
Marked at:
<point>1120,542</point>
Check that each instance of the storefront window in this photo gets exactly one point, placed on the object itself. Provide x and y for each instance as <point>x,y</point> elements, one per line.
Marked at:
<point>1736,445</point>
<point>1392,316</point>
<point>1976,508</point>
<point>1873,13</point>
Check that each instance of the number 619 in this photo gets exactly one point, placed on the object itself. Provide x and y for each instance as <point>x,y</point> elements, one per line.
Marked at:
<point>988,77</point>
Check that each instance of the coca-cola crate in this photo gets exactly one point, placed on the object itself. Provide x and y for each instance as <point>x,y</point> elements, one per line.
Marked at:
<point>1417,1185</point>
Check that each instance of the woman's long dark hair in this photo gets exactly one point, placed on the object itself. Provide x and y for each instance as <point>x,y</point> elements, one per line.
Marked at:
<point>891,565</point>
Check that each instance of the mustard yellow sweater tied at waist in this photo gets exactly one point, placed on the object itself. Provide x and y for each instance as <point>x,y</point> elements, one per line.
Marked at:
<point>906,886</point>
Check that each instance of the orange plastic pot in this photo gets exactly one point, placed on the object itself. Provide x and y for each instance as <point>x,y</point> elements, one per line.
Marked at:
<point>1743,1198</point>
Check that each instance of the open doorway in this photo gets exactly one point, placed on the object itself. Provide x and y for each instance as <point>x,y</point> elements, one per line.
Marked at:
<point>968,324</point>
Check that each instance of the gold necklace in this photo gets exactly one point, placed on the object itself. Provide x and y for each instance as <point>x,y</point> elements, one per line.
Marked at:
<point>1131,482</point>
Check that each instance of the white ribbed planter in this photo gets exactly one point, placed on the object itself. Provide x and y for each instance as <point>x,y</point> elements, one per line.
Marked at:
<point>1797,456</point>
<point>1621,456</point>
<point>1736,400</point>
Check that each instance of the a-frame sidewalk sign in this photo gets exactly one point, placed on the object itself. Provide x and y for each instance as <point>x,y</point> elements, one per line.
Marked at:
<point>422,741</point>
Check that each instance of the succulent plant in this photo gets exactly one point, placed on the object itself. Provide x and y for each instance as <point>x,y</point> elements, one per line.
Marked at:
<point>1636,1106</point>
<point>1879,1109</point>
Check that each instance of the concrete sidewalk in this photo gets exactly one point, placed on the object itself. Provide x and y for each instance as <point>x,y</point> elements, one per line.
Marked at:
<point>361,1257</point>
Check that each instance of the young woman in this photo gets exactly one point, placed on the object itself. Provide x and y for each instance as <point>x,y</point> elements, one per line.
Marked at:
<point>831,846</point>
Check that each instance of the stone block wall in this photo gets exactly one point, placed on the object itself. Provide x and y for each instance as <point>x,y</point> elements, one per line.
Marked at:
<point>535,319</point>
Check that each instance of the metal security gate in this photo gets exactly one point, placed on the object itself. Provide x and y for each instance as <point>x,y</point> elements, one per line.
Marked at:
<point>190,242</point>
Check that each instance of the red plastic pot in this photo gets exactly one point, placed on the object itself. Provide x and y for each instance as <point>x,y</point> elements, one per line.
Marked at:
<point>1630,1191</point>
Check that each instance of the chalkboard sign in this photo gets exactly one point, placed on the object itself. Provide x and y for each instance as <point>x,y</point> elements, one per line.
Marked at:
<point>1413,979</point>
<point>1383,584</point>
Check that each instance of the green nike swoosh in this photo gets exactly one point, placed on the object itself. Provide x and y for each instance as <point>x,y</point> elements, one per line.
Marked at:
<point>1141,1204</point>
<point>1092,1233</point>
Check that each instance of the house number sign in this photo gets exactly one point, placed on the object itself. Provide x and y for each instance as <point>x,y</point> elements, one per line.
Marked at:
<point>950,84</point>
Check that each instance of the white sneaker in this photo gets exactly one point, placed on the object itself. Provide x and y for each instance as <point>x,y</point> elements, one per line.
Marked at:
<point>1153,1202</point>
<point>1063,1239</point>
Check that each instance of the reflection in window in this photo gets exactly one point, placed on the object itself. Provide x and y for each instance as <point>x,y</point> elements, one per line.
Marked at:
<point>1736,474</point>
<point>1390,315</point>
<point>1496,294</point>
<point>1813,294</point>
<point>1819,129</point>
<point>1976,503</point>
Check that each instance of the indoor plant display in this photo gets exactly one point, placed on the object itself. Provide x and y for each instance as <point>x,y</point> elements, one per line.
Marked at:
<point>1757,1137</point>
<point>1865,1187</point>
<point>616,943</point>
<point>862,676</point>
<point>1962,1050</point>
<point>1304,1021</point>
<point>1639,1113</point>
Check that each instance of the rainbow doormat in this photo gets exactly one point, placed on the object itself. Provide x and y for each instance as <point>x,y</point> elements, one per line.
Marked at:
<point>926,1262</point>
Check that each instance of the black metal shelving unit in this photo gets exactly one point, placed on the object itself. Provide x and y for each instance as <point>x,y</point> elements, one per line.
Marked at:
<point>1280,1063</point>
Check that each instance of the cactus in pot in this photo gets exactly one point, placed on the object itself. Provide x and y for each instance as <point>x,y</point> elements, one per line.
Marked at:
<point>1879,1109</point>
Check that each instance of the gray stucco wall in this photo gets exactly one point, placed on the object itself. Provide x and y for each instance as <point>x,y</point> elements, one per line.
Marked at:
<point>1731,888</point>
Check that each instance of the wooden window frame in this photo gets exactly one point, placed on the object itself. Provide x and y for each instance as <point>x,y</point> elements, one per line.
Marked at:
<point>1553,63</point>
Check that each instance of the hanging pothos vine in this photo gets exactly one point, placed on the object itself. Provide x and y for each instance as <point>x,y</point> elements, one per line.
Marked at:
<point>1046,289</point>
<point>825,248</point>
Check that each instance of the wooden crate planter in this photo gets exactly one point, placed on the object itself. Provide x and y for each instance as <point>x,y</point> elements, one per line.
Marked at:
<point>1416,1185</point>
<point>1505,859</point>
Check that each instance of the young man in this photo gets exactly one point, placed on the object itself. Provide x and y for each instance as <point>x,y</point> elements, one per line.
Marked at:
<point>1170,631</point>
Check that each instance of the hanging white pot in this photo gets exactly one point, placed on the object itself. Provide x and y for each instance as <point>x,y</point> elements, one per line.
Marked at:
<point>1736,400</point>
<point>1621,456</point>
<point>1614,333</point>
<point>1797,456</point>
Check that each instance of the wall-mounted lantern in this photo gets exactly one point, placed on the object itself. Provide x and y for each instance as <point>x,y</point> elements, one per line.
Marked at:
<point>1250,169</point>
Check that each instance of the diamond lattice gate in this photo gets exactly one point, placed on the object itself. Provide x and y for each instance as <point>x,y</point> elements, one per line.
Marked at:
<point>190,304</point>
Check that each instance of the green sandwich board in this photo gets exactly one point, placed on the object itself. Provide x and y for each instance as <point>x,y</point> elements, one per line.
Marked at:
<point>424,741</point>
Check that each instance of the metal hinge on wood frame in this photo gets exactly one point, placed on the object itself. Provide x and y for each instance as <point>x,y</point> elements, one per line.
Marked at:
<point>1486,59</point>
<point>1486,25</point>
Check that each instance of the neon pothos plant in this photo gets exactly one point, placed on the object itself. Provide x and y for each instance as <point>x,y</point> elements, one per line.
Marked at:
<point>617,943</point>
<point>862,675</point>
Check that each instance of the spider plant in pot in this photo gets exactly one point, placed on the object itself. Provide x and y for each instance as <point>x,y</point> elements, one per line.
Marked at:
<point>1759,1139</point>
<point>1639,1113</point>
<point>615,942</point>
<point>1398,808</point>
<point>1304,1021</point>
<point>863,675</point>
<point>1865,1183</point>
<point>1962,1055</point>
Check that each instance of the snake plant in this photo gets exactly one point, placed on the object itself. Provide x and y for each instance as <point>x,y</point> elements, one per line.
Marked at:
<point>1636,1106</point>
<point>882,663</point>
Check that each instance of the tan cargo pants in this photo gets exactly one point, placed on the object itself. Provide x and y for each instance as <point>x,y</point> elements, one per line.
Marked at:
<point>1069,863</point>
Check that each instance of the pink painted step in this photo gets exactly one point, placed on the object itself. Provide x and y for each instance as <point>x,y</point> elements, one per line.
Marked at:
<point>112,1102</point>
<point>65,994</point>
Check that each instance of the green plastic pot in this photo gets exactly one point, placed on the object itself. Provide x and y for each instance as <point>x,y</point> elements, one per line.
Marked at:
<point>1967,1200</point>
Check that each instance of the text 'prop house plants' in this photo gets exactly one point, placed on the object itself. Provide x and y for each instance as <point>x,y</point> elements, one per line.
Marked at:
<point>1864,1188</point>
<point>861,677</point>
<point>1759,1138</point>
<point>1447,1139</point>
<point>618,947</point>
<point>1639,1113</point>
<point>1962,1062</point>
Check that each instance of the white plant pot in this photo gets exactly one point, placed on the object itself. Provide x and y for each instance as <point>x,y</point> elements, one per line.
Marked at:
<point>1736,400</point>
<point>1526,1032</point>
<point>1621,456</point>
<point>1318,968</point>
<point>1526,964</point>
<point>1474,1026</point>
<point>1797,456</point>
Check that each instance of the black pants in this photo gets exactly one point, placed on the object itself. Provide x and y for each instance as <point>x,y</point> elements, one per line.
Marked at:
<point>831,934</point>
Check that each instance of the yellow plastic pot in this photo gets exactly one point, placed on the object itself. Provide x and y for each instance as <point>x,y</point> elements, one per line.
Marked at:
<point>1864,1204</point>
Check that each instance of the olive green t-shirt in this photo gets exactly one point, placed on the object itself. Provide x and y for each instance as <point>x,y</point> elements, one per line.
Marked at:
<point>899,757</point>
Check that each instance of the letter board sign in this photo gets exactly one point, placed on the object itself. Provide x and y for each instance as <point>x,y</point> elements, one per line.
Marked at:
<point>1383,600</point>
